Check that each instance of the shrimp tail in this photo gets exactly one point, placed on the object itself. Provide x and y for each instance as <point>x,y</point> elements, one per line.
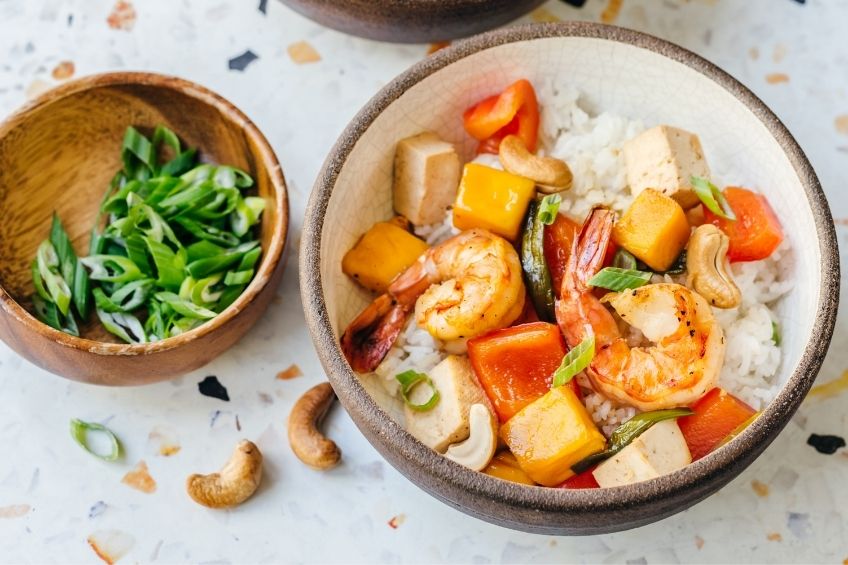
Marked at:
<point>367,339</point>
<point>588,250</point>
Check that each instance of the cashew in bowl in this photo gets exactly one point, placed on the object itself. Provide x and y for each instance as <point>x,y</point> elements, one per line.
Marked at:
<point>709,272</point>
<point>550,174</point>
<point>306,440</point>
<point>476,451</point>
<point>235,483</point>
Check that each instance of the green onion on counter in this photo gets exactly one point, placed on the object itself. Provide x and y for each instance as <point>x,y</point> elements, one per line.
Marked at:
<point>177,247</point>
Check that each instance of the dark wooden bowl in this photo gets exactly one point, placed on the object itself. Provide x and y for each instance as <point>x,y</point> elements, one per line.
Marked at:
<point>59,152</point>
<point>621,71</point>
<point>412,21</point>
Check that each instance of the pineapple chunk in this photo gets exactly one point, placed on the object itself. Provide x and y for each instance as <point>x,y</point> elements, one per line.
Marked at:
<point>665,158</point>
<point>447,422</point>
<point>426,178</point>
<point>658,451</point>
<point>493,200</point>
<point>550,435</point>
<point>654,229</point>
<point>381,254</point>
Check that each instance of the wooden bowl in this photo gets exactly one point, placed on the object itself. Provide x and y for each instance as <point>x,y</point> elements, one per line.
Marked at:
<point>412,21</point>
<point>59,152</point>
<point>620,71</point>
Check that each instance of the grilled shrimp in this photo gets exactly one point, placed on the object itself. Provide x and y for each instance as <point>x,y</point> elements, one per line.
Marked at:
<point>688,344</point>
<point>464,287</point>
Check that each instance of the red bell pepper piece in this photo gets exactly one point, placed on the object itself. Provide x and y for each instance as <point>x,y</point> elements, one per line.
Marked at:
<point>557,245</point>
<point>514,111</point>
<point>582,480</point>
<point>756,233</point>
<point>515,365</point>
<point>717,414</point>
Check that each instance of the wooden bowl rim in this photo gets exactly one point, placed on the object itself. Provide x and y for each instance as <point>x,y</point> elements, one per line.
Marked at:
<point>270,257</point>
<point>553,507</point>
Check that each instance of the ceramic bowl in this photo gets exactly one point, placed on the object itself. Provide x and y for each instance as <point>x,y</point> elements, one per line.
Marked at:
<point>59,152</point>
<point>412,21</point>
<point>621,71</point>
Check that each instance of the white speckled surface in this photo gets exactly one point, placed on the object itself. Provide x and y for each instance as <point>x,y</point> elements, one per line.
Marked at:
<point>53,496</point>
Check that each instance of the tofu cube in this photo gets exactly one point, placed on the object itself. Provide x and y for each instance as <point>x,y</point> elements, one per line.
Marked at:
<point>447,422</point>
<point>381,254</point>
<point>658,451</point>
<point>426,178</point>
<point>550,435</point>
<point>665,158</point>
<point>493,200</point>
<point>654,229</point>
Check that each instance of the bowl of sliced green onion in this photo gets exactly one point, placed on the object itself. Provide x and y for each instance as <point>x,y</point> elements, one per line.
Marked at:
<point>145,219</point>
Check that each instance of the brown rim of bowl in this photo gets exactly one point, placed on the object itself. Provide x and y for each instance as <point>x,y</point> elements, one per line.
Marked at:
<point>270,257</point>
<point>718,467</point>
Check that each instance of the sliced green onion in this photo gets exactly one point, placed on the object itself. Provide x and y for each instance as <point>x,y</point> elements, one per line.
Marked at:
<point>80,430</point>
<point>125,326</point>
<point>623,259</point>
<point>616,279</point>
<point>46,312</point>
<point>238,277</point>
<point>57,288</point>
<point>64,250</point>
<point>575,361</point>
<point>408,381</point>
<point>678,267</point>
<point>775,333</point>
<point>246,214</point>
<point>203,250</point>
<point>138,254</point>
<point>627,432</point>
<point>204,267</point>
<point>137,150</point>
<point>184,307</point>
<point>179,164</point>
<point>712,198</point>
<point>112,268</point>
<point>38,282</point>
<point>549,208</point>
<point>170,265</point>
<point>207,232</point>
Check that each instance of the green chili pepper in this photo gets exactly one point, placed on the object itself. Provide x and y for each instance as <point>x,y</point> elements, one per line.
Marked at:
<point>535,266</point>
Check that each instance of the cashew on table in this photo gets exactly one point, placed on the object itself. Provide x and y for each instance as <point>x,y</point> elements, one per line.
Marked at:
<point>306,440</point>
<point>234,483</point>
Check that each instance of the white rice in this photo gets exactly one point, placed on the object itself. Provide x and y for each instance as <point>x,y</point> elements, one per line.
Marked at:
<point>591,145</point>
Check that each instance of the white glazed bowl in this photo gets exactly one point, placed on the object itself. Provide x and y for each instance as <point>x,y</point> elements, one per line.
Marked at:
<point>616,70</point>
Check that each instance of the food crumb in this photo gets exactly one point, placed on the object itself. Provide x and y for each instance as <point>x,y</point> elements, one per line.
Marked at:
<point>543,15</point>
<point>238,424</point>
<point>64,70</point>
<point>122,16</point>
<point>841,125</point>
<point>14,510</point>
<point>293,371</point>
<point>760,488</point>
<point>699,542</point>
<point>777,78</point>
<point>163,442</point>
<point>438,46</point>
<point>779,53</point>
<point>97,509</point>
<point>754,53</point>
<point>110,545</point>
<point>774,536</point>
<point>396,521</point>
<point>611,11</point>
<point>301,53</point>
<point>139,479</point>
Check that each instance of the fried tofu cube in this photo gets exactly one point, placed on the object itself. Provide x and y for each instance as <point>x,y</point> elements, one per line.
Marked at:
<point>658,451</point>
<point>447,422</point>
<point>654,229</point>
<point>665,158</point>
<point>492,199</point>
<point>426,178</point>
<point>550,435</point>
<point>381,254</point>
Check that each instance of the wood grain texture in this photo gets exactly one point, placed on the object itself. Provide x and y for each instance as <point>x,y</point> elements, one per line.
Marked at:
<point>412,21</point>
<point>59,152</point>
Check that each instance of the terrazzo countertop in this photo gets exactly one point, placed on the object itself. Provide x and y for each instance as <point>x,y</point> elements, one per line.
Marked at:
<point>301,84</point>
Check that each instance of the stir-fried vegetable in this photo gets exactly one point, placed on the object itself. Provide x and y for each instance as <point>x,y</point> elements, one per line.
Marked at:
<point>559,237</point>
<point>533,262</point>
<point>164,234</point>
<point>492,199</point>
<point>615,279</point>
<point>409,380</point>
<point>711,197</point>
<point>575,361</point>
<point>654,229</point>
<point>715,416</point>
<point>514,111</point>
<point>756,233</point>
<point>627,432</point>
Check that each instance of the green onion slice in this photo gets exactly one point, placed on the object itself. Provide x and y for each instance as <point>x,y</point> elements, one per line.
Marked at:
<point>616,279</point>
<point>125,326</point>
<point>80,431</point>
<point>712,198</point>
<point>625,260</point>
<point>775,333</point>
<point>549,208</point>
<point>408,381</point>
<point>575,361</point>
<point>184,307</point>
<point>112,268</point>
<point>627,432</point>
<point>57,288</point>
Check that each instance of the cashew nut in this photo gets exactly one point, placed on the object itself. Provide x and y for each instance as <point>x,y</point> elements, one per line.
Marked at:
<point>709,272</point>
<point>550,174</point>
<point>476,451</point>
<point>306,440</point>
<point>235,483</point>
